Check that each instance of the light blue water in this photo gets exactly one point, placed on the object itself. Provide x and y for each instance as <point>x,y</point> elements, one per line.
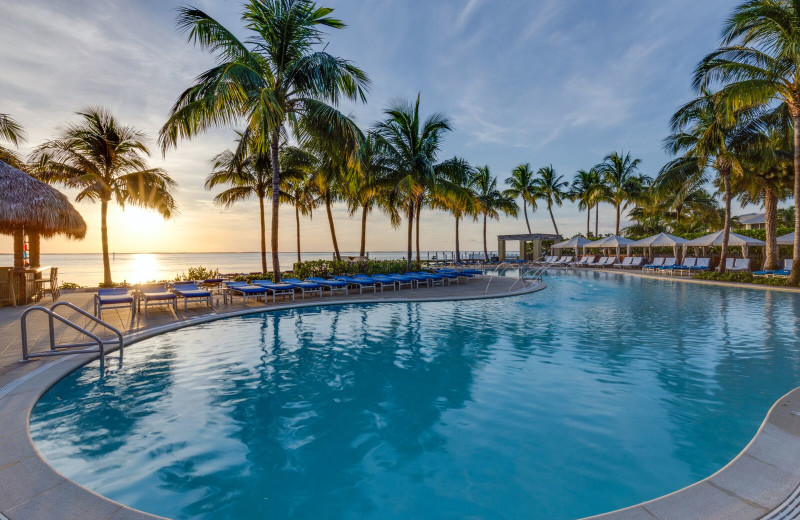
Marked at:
<point>600,392</point>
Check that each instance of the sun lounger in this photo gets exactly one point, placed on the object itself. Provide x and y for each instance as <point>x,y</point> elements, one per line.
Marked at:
<point>332,285</point>
<point>567,260</point>
<point>378,281</point>
<point>656,263</point>
<point>432,277</point>
<point>116,298</point>
<point>285,289</point>
<point>304,287</point>
<point>156,294</point>
<point>190,291</point>
<point>450,277</point>
<point>556,260</point>
<point>610,261</point>
<point>787,268</point>
<point>584,260</point>
<point>246,291</point>
<point>600,262</point>
<point>626,262</point>
<point>459,273</point>
<point>668,264</point>
<point>637,262</point>
<point>401,280</point>
<point>546,260</point>
<point>685,266</point>
<point>740,265</point>
<point>361,283</point>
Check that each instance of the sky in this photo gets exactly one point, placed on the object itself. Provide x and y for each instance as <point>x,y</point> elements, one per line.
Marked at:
<point>561,82</point>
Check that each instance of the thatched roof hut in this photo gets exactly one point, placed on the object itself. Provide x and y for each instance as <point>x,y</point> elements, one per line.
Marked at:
<point>31,205</point>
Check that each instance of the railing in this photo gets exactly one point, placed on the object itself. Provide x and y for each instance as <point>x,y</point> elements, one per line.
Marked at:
<point>66,348</point>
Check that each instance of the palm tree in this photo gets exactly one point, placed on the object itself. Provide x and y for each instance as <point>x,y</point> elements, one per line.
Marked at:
<point>301,194</point>
<point>707,135</point>
<point>490,201</point>
<point>521,185</point>
<point>621,175</point>
<point>106,161</point>
<point>758,64</point>
<point>552,188</point>
<point>588,189</point>
<point>276,76</point>
<point>458,172</point>
<point>12,132</point>
<point>411,145</point>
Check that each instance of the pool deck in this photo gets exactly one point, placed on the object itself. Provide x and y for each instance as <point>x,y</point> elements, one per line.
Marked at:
<point>32,490</point>
<point>762,482</point>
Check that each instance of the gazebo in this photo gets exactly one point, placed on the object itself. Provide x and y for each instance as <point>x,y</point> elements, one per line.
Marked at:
<point>715,239</point>
<point>609,242</point>
<point>573,243</point>
<point>786,240</point>
<point>659,240</point>
<point>31,208</point>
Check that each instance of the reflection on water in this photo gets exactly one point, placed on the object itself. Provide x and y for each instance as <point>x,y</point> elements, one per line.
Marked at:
<point>597,393</point>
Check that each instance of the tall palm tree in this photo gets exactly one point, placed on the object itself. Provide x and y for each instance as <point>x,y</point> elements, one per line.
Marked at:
<point>458,172</point>
<point>521,185</point>
<point>707,134</point>
<point>621,175</point>
<point>490,201</point>
<point>758,64</point>
<point>278,76</point>
<point>12,132</point>
<point>551,188</point>
<point>106,161</point>
<point>411,145</point>
<point>588,190</point>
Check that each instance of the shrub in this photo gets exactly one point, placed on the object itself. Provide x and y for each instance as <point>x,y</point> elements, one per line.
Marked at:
<point>197,273</point>
<point>741,278</point>
<point>69,285</point>
<point>328,268</point>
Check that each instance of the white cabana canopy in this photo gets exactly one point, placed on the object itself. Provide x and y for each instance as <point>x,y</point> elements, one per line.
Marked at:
<point>572,243</point>
<point>609,242</point>
<point>786,240</point>
<point>715,239</point>
<point>659,240</point>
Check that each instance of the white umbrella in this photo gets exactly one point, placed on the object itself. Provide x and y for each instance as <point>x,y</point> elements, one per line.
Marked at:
<point>659,240</point>
<point>715,239</point>
<point>572,243</point>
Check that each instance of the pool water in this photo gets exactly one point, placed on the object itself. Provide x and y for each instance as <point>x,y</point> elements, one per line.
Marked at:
<point>597,393</point>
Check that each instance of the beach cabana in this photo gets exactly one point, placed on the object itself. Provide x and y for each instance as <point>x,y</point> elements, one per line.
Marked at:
<point>29,207</point>
<point>610,242</point>
<point>573,243</point>
<point>786,240</point>
<point>659,240</point>
<point>715,239</point>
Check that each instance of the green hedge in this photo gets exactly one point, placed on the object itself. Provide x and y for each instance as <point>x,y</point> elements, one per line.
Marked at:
<point>740,278</point>
<point>327,268</point>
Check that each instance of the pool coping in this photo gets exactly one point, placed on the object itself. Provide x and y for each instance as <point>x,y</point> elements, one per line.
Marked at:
<point>31,489</point>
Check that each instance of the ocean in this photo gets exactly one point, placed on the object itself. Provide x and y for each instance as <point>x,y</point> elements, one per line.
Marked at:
<point>87,269</point>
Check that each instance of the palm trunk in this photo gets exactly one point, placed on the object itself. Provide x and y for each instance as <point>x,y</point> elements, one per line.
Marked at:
<point>485,251</point>
<point>297,219</point>
<point>726,230</point>
<point>263,235</point>
<point>276,187</point>
<point>525,211</point>
<point>588,220</point>
<point>550,209</point>
<point>104,237</point>
<point>794,277</point>
<point>617,229</point>
<point>410,232</point>
<point>596,218</point>
<point>458,250</point>
<point>419,211</point>
<point>363,250</point>
<point>771,228</point>
<point>333,229</point>
<point>678,210</point>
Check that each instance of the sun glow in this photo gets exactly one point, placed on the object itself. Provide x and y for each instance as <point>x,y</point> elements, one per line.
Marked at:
<point>142,268</point>
<point>140,221</point>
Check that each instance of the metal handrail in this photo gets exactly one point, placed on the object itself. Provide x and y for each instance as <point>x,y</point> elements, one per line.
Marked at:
<point>56,350</point>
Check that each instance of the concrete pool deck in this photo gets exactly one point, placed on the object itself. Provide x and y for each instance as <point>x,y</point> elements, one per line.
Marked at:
<point>30,489</point>
<point>761,482</point>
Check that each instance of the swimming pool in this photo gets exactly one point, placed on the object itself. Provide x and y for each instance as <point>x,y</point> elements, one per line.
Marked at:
<point>600,392</point>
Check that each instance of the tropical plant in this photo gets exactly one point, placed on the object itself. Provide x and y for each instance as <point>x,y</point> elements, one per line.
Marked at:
<point>757,65</point>
<point>12,132</point>
<point>490,201</point>
<point>786,217</point>
<point>277,76</point>
<point>624,182</point>
<point>522,185</point>
<point>588,190</point>
<point>410,145</point>
<point>297,187</point>
<point>106,161</point>
<point>551,188</point>
<point>458,172</point>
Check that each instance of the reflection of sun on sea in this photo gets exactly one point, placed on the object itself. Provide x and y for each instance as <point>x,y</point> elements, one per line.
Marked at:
<point>143,268</point>
<point>140,227</point>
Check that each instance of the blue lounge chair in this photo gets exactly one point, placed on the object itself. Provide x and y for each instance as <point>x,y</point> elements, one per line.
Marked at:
<point>275,288</point>
<point>786,271</point>
<point>450,277</point>
<point>117,298</point>
<point>332,285</point>
<point>156,294</point>
<point>360,282</point>
<point>304,287</point>
<point>246,291</point>
<point>702,264</point>
<point>419,278</point>
<point>382,279</point>
<point>402,280</point>
<point>433,278</point>
<point>459,273</point>
<point>655,264</point>
<point>190,291</point>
